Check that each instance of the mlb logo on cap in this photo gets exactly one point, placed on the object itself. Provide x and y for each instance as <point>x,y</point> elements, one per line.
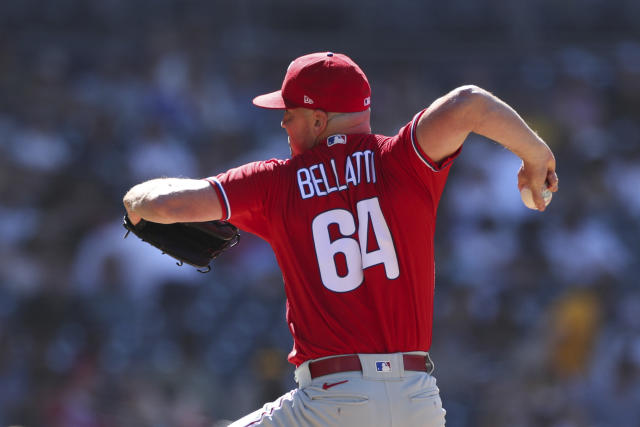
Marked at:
<point>383,366</point>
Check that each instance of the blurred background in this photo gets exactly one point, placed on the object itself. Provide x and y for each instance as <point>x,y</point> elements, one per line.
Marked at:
<point>537,316</point>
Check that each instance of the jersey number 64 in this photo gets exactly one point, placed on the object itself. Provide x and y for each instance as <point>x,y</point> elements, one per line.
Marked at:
<point>354,250</point>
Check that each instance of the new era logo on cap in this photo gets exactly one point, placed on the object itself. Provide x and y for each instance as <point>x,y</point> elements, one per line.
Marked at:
<point>383,366</point>
<point>308,100</point>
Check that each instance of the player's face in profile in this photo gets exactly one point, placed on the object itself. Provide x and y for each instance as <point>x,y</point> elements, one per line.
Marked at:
<point>298,122</point>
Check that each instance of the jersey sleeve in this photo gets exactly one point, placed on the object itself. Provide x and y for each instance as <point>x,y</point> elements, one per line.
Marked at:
<point>410,161</point>
<point>245,194</point>
<point>408,136</point>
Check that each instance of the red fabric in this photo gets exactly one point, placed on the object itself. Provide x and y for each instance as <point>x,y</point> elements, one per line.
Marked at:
<point>389,310</point>
<point>221,196</point>
<point>326,81</point>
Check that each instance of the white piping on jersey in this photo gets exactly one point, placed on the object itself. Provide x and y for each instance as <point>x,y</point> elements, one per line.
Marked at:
<point>414,123</point>
<point>224,195</point>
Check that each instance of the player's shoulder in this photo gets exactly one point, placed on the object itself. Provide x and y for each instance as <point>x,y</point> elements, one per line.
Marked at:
<point>383,142</point>
<point>258,168</point>
<point>274,163</point>
<point>271,164</point>
<point>406,133</point>
<point>371,141</point>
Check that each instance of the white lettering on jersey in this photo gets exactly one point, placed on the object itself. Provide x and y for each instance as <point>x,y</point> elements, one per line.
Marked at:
<point>353,247</point>
<point>304,183</point>
<point>317,180</point>
<point>326,181</point>
<point>369,209</point>
<point>349,173</point>
<point>335,174</point>
<point>314,180</point>
<point>357,155</point>
<point>326,250</point>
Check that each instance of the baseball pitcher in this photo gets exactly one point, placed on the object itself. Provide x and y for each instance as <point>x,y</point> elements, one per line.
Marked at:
<point>351,218</point>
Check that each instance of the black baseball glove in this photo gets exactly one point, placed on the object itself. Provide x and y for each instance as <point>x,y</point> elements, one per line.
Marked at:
<point>195,243</point>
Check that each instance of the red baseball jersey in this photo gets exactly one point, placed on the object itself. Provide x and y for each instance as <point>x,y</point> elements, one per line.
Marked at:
<point>351,222</point>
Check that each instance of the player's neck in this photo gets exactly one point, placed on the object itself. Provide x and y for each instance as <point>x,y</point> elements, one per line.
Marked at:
<point>346,123</point>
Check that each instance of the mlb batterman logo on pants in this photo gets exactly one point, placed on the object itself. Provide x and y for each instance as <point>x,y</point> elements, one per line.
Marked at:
<point>383,366</point>
<point>352,225</point>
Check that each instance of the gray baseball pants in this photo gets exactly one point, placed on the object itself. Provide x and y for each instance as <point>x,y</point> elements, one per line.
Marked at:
<point>383,395</point>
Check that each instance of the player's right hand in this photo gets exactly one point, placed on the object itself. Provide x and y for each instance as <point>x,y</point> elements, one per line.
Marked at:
<point>539,172</point>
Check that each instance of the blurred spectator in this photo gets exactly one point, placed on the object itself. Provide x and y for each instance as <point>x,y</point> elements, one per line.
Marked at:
<point>574,327</point>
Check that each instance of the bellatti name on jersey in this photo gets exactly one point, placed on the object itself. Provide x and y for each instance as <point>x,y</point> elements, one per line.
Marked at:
<point>323,179</point>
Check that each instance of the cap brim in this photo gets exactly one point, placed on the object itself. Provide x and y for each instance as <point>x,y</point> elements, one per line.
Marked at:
<point>271,100</point>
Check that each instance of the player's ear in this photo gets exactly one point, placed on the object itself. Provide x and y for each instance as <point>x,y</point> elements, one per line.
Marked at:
<point>320,119</point>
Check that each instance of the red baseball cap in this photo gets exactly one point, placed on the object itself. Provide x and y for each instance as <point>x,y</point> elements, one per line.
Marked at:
<point>321,81</point>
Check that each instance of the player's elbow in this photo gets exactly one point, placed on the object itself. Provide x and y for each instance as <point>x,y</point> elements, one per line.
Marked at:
<point>471,105</point>
<point>470,97</point>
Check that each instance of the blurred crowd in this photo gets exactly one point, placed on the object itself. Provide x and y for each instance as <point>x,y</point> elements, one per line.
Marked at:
<point>537,316</point>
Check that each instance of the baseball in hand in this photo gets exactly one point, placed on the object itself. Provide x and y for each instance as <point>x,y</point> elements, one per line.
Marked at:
<point>527,197</point>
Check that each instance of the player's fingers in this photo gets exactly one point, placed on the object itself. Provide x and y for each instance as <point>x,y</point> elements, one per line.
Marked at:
<point>552,181</point>
<point>134,218</point>
<point>536,179</point>
<point>537,183</point>
<point>531,177</point>
<point>538,199</point>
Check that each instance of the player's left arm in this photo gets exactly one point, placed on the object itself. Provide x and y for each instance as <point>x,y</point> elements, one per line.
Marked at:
<point>447,122</point>
<point>169,200</point>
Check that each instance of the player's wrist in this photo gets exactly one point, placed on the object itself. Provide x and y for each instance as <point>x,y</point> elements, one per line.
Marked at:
<point>535,153</point>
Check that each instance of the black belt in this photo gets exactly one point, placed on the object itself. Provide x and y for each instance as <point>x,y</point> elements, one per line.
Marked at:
<point>334,365</point>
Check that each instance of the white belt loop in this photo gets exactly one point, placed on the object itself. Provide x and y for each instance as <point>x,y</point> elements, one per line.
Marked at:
<point>382,366</point>
<point>302,375</point>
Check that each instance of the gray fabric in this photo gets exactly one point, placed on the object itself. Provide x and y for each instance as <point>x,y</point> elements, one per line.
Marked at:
<point>384,395</point>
